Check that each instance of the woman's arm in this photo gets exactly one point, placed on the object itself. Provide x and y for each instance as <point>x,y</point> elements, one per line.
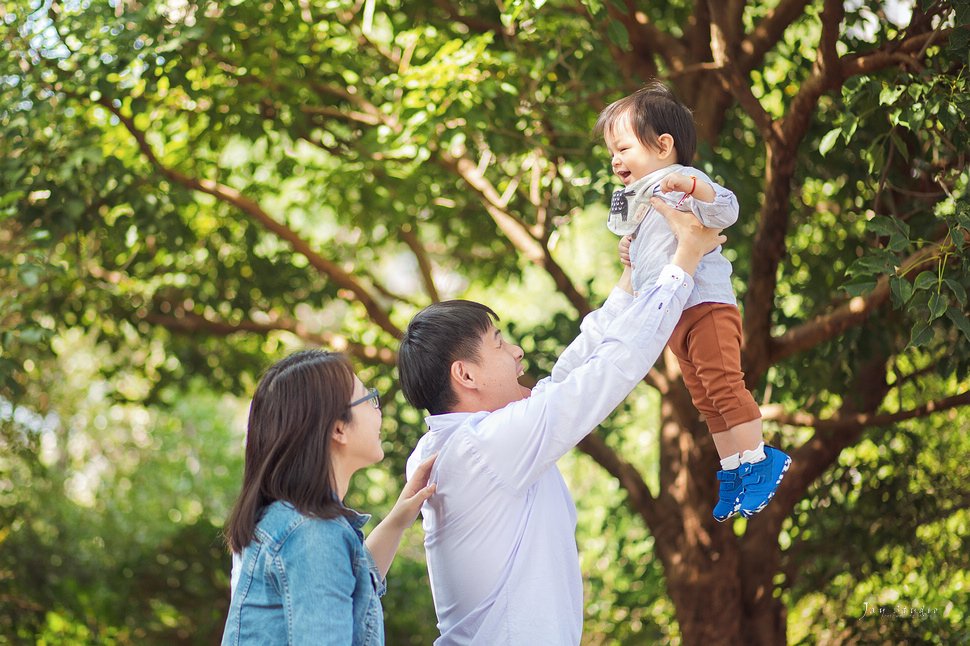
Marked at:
<point>384,539</point>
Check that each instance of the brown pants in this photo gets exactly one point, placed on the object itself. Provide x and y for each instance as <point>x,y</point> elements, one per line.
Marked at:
<point>707,342</point>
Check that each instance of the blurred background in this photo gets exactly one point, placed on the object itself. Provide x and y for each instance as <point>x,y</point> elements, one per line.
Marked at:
<point>190,191</point>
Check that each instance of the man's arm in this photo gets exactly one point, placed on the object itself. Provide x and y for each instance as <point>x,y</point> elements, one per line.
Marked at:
<point>525,438</point>
<point>593,327</point>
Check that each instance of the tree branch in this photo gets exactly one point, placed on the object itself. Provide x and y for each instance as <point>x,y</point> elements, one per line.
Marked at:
<point>518,233</point>
<point>768,32</point>
<point>851,313</point>
<point>769,245</point>
<point>410,238</point>
<point>852,422</point>
<point>476,25</point>
<point>353,115</point>
<point>733,80</point>
<point>190,323</point>
<point>625,473</point>
<point>888,56</point>
<point>232,196</point>
<point>645,41</point>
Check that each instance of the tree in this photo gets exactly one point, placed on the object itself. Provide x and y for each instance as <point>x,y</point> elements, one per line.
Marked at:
<point>209,176</point>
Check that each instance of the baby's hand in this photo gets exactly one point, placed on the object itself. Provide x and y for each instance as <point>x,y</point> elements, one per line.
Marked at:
<point>625,242</point>
<point>677,182</point>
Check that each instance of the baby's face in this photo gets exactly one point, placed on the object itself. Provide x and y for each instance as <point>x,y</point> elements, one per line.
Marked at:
<point>631,160</point>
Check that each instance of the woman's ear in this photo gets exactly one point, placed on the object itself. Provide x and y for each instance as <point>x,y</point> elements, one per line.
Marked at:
<point>340,434</point>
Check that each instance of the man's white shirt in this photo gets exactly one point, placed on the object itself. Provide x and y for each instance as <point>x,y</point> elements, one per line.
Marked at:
<point>500,531</point>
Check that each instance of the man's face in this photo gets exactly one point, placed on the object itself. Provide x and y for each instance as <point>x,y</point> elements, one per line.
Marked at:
<point>497,369</point>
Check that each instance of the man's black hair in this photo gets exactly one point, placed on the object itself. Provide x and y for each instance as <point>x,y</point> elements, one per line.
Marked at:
<point>438,336</point>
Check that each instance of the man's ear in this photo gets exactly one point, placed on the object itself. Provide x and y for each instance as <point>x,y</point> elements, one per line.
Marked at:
<point>665,142</point>
<point>462,375</point>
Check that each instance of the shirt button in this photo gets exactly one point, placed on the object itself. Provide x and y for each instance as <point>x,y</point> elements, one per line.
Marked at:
<point>635,293</point>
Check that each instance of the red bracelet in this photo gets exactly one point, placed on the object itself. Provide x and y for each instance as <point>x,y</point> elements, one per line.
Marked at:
<point>693,185</point>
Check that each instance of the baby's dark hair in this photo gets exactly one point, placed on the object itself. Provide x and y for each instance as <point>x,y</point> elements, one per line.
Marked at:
<point>653,110</point>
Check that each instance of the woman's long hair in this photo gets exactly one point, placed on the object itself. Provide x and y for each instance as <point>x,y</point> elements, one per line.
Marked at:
<point>288,451</point>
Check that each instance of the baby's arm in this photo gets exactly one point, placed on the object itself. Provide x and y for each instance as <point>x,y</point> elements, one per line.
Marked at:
<point>690,185</point>
<point>714,205</point>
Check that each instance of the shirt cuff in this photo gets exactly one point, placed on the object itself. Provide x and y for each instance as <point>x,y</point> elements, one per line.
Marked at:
<point>674,276</point>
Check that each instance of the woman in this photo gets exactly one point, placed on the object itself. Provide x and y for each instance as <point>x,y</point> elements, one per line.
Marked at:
<point>305,573</point>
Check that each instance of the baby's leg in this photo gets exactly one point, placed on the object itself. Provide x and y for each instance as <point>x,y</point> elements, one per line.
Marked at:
<point>747,436</point>
<point>681,343</point>
<point>710,358</point>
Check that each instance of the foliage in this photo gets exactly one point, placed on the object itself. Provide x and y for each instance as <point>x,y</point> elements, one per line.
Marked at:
<point>191,190</point>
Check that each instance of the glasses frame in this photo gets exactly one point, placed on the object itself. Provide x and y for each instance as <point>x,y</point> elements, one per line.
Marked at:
<point>372,394</point>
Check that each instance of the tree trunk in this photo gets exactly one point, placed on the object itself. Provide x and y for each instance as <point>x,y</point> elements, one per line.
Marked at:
<point>704,585</point>
<point>765,617</point>
<point>700,556</point>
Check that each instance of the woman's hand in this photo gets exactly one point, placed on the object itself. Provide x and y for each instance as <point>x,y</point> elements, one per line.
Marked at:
<point>383,541</point>
<point>413,495</point>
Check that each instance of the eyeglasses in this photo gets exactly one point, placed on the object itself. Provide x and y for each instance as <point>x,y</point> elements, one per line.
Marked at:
<point>372,394</point>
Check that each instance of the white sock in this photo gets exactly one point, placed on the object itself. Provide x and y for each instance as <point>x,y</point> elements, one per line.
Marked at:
<point>754,455</point>
<point>731,462</point>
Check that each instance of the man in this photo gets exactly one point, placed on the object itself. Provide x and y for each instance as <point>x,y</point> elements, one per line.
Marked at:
<point>500,533</point>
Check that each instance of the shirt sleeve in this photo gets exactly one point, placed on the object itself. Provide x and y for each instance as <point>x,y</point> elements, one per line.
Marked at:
<point>591,332</point>
<point>522,440</point>
<point>315,573</point>
<point>719,214</point>
<point>234,574</point>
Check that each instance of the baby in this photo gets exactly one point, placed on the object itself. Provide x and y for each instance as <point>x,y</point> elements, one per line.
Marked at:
<point>652,139</point>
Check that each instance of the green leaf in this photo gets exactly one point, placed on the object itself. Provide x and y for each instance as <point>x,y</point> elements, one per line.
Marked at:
<point>30,275</point>
<point>938,305</point>
<point>957,289</point>
<point>921,334</point>
<point>828,141</point>
<point>879,261</point>
<point>618,34</point>
<point>926,280</point>
<point>902,290</point>
<point>859,289</point>
<point>900,146</point>
<point>959,319</point>
<point>890,94</point>
<point>882,225</point>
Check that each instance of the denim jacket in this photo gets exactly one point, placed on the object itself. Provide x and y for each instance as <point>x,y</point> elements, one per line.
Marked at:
<point>305,580</point>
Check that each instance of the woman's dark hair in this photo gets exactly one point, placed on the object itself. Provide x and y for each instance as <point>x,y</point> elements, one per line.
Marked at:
<point>653,111</point>
<point>438,336</point>
<point>288,455</point>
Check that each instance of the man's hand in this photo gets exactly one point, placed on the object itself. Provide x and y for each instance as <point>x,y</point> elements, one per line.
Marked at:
<point>694,240</point>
